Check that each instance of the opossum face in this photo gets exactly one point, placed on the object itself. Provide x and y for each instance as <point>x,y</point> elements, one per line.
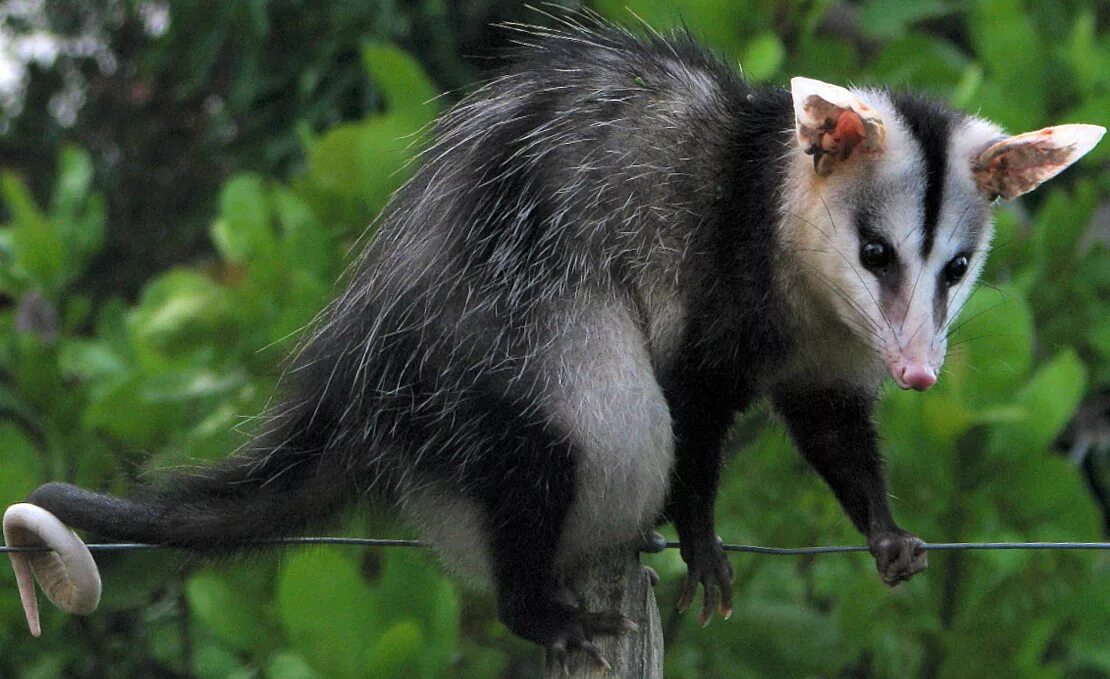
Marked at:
<point>889,212</point>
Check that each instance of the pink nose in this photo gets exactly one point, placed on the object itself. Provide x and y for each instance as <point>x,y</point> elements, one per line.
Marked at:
<point>917,376</point>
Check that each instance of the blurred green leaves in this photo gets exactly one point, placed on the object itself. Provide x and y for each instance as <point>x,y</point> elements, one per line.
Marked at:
<point>356,167</point>
<point>886,20</point>
<point>173,372</point>
<point>405,624</point>
<point>45,250</point>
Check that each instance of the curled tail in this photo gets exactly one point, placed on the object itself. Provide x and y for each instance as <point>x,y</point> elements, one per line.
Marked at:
<point>220,509</point>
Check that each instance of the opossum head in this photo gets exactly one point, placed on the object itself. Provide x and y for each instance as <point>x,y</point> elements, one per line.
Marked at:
<point>887,212</point>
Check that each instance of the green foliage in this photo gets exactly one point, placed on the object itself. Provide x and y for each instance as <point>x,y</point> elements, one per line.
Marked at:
<point>47,249</point>
<point>99,388</point>
<point>173,372</point>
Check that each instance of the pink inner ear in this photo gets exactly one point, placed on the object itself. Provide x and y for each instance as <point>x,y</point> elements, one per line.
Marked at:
<point>848,133</point>
<point>1019,164</point>
<point>832,123</point>
<point>834,139</point>
<point>1023,167</point>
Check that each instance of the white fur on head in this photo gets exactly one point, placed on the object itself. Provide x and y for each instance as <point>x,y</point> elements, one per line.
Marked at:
<point>1017,165</point>
<point>832,122</point>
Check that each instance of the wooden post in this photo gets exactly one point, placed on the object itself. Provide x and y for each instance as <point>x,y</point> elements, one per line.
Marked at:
<point>620,583</point>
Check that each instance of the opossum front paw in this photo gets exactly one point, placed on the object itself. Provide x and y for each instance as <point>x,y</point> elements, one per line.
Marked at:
<point>578,632</point>
<point>898,555</point>
<point>707,566</point>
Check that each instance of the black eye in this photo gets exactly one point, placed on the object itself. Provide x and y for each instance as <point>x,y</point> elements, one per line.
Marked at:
<point>875,255</point>
<point>955,269</point>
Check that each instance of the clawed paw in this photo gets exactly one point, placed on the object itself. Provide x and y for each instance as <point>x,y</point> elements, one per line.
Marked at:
<point>898,555</point>
<point>578,634</point>
<point>707,566</point>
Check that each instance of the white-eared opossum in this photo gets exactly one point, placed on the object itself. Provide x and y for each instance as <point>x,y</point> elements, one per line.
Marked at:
<point>607,252</point>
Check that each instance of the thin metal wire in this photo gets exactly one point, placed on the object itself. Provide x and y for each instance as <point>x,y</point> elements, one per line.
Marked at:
<point>751,549</point>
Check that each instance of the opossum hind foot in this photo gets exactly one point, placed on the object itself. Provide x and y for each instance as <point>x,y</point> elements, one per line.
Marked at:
<point>571,629</point>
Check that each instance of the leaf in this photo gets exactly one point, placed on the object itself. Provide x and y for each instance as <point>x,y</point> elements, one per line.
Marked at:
<point>230,613</point>
<point>967,87</point>
<point>1083,54</point>
<point>992,347</point>
<point>1060,225</point>
<point>764,56</point>
<point>718,24</point>
<point>243,230</point>
<point>37,252</point>
<point>1050,399</point>
<point>304,296</point>
<point>305,242</point>
<point>287,665</point>
<point>1099,338</point>
<point>118,408</point>
<point>363,163</point>
<point>1013,54</point>
<point>397,652</point>
<point>922,62</point>
<point>75,173</point>
<point>20,467</point>
<point>830,59</point>
<point>145,574</point>
<point>406,87</point>
<point>213,662</point>
<point>77,215</point>
<point>177,311</point>
<point>188,385</point>
<point>327,611</point>
<point>768,646</point>
<point>90,360</point>
<point>412,588</point>
<point>886,20</point>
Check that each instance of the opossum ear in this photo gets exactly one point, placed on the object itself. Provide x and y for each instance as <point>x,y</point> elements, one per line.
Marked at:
<point>832,123</point>
<point>1019,164</point>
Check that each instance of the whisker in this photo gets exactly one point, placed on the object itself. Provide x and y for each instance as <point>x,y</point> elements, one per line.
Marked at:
<point>866,327</point>
<point>828,212</point>
<point>913,292</point>
<point>968,340</point>
<point>832,285</point>
<point>959,223</point>
<point>878,306</point>
<point>954,330</point>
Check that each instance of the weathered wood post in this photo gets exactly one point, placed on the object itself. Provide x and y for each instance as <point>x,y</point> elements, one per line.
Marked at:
<point>619,583</point>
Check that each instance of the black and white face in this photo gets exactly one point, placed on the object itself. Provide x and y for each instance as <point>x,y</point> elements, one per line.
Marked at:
<point>889,212</point>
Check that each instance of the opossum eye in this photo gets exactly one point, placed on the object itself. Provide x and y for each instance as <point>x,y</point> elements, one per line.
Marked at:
<point>955,269</point>
<point>875,255</point>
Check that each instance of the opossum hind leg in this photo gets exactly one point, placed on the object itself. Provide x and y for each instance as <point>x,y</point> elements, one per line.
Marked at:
<point>610,401</point>
<point>528,493</point>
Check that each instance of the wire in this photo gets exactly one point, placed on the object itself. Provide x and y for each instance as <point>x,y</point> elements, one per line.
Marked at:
<point>751,549</point>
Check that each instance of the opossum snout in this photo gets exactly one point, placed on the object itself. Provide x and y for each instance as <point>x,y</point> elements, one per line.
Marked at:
<point>917,375</point>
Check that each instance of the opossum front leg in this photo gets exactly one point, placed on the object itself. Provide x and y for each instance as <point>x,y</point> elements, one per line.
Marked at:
<point>834,431</point>
<point>701,420</point>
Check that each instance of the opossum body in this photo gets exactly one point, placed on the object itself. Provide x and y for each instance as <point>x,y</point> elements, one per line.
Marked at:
<point>607,253</point>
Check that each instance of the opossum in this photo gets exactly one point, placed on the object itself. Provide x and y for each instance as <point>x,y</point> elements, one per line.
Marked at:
<point>606,253</point>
